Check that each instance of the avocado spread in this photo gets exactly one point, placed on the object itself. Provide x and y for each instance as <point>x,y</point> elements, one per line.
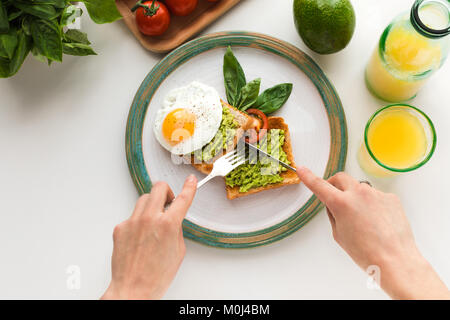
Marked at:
<point>224,136</point>
<point>262,172</point>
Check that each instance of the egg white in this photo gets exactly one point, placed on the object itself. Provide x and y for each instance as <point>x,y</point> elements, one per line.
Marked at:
<point>201,100</point>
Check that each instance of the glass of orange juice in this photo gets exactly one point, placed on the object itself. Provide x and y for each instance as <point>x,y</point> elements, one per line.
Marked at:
<point>398,138</point>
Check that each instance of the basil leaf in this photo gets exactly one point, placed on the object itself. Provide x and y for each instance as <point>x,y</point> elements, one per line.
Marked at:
<point>4,68</point>
<point>4,22</point>
<point>249,94</point>
<point>22,51</point>
<point>273,98</point>
<point>47,38</point>
<point>56,3</point>
<point>9,67</point>
<point>69,15</point>
<point>15,14</point>
<point>35,52</point>
<point>73,35</point>
<point>8,44</point>
<point>234,77</point>
<point>43,11</point>
<point>78,49</point>
<point>102,11</point>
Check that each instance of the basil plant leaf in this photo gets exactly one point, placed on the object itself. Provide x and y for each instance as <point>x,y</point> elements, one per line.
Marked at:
<point>9,67</point>
<point>249,94</point>
<point>78,49</point>
<point>43,11</point>
<point>56,3</point>
<point>4,22</point>
<point>8,44</point>
<point>102,11</point>
<point>273,98</point>
<point>22,50</point>
<point>37,55</point>
<point>234,77</point>
<point>47,38</point>
<point>73,35</point>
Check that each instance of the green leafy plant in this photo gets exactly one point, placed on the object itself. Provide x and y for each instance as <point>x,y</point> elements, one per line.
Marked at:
<point>243,95</point>
<point>40,27</point>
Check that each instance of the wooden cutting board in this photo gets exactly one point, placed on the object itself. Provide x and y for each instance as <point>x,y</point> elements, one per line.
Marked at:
<point>181,29</point>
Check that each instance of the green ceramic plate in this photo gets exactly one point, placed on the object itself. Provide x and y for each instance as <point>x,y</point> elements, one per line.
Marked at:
<point>313,112</point>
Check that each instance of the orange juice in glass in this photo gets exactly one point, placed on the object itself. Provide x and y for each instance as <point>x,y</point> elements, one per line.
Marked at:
<point>398,138</point>
<point>410,50</point>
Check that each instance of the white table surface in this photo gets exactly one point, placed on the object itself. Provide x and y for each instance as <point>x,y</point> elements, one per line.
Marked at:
<point>64,180</point>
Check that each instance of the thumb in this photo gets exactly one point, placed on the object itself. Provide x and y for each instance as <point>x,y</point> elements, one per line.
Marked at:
<point>183,201</point>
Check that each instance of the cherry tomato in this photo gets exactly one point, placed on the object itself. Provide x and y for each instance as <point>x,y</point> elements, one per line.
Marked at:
<point>262,130</point>
<point>152,17</point>
<point>181,7</point>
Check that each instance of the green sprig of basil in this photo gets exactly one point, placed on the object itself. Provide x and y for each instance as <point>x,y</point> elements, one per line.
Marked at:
<point>273,98</point>
<point>244,95</point>
<point>40,27</point>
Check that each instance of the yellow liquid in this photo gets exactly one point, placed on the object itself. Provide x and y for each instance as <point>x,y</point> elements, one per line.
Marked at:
<point>407,53</point>
<point>397,139</point>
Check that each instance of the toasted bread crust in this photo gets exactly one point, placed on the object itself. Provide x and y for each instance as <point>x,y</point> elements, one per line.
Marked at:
<point>245,122</point>
<point>289,177</point>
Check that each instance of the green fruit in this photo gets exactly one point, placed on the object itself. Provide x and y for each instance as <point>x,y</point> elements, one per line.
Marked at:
<point>326,26</point>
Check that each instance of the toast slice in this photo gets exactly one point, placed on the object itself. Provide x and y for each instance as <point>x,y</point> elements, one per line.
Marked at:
<point>289,177</point>
<point>245,122</point>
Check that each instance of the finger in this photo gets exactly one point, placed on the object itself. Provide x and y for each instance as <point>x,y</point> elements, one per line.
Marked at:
<point>140,205</point>
<point>343,181</point>
<point>321,188</point>
<point>183,201</point>
<point>159,196</point>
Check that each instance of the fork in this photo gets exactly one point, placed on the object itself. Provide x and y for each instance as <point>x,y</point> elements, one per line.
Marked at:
<point>224,165</point>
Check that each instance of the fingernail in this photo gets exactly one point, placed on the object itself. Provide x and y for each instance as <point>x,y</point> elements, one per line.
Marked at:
<point>191,179</point>
<point>300,168</point>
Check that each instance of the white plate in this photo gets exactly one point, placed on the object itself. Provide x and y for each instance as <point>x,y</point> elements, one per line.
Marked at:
<point>309,123</point>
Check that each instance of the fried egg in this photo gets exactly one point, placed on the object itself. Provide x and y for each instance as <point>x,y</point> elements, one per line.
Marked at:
<point>189,118</point>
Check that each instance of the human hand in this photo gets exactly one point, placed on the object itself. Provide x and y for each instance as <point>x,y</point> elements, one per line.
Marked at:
<point>372,228</point>
<point>149,246</point>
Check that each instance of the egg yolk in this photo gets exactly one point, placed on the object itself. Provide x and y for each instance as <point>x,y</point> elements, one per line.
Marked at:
<point>178,125</point>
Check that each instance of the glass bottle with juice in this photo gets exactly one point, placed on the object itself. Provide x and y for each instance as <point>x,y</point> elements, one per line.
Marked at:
<point>398,138</point>
<point>410,50</point>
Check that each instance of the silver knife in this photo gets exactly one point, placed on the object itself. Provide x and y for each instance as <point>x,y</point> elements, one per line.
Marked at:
<point>269,156</point>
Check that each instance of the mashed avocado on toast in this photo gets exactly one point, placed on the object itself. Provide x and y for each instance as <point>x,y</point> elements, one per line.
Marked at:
<point>224,136</point>
<point>252,175</point>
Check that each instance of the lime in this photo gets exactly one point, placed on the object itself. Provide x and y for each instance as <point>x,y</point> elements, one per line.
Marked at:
<point>326,26</point>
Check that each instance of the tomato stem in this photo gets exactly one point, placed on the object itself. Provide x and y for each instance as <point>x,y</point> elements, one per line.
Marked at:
<point>148,11</point>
